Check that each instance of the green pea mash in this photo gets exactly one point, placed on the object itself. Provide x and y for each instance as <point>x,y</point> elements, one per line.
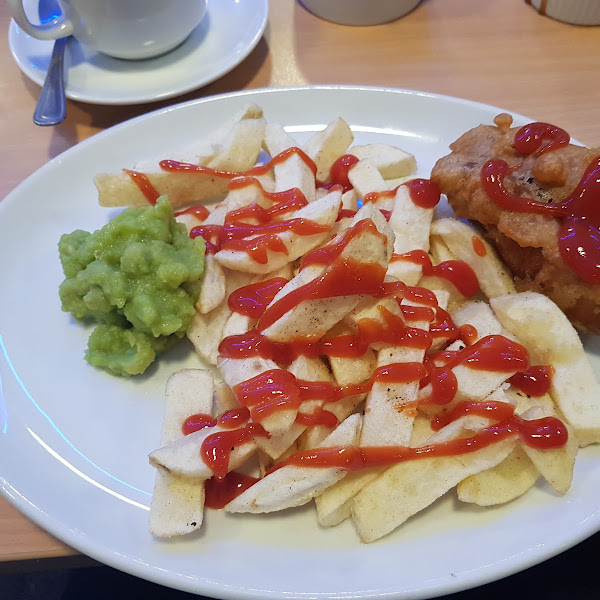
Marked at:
<point>139,277</point>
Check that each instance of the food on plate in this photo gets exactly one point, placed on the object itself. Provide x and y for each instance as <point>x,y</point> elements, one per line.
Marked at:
<point>358,351</point>
<point>536,197</point>
<point>139,278</point>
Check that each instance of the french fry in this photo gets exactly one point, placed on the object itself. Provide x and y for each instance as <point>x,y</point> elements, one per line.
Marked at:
<point>200,152</point>
<point>206,330</point>
<point>467,245</point>
<point>177,506</point>
<point>365,178</point>
<point>213,287</point>
<point>334,504</point>
<point>183,188</point>
<point>409,487</point>
<point>410,223</point>
<point>391,162</point>
<point>183,456</point>
<point>480,316</point>
<point>276,139</point>
<point>325,146</point>
<point>234,146</point>
<point>555,465</point>
<point>506,481</point>
<point>241,147</point>
<point>551,339</point>
<point>387,422</point>
<point>293,485</point>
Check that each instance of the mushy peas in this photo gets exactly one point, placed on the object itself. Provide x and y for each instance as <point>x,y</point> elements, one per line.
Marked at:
<point>139,277</point>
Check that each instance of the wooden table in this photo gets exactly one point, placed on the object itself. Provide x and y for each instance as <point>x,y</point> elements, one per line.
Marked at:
<point>500,52</point>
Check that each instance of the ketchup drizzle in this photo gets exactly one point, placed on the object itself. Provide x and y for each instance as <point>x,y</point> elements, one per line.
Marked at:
<point>423,192</point>
<point>457,272</point>
<point>338,174</point>
<point>536,381</point>
<point>252,300</point>
<point>144,185</point>
<point>545,433</point>
<point>530,137</point>
<point>218,493</point>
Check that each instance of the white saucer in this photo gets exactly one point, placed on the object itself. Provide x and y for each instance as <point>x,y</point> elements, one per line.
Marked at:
<point>228,33</point>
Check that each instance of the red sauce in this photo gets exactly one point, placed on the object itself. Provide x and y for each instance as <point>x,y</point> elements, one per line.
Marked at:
<point>277,389</point>
<point>391,330</point>
<point>268,392</point>
<point>318,417</point>
<point>200,212</point>
<point>173,165</point>
<point>468,334</point>
<point>494,353</point>
<point>220,492</point>
<point>228,420</point>
<point>443,326</point>
<point>493,410</point>
<point>544,433</point>
<point>285,201</point>
<point>579,214</point>
<point>579,245</point>
<point>346,213</point>
<point>457,272</point>
<point>536,381</point>
<point>492,179</point>
<point>144,185</point>
<point>530,137</point>
<point>197,422</point>
<point>338,174</point>
<point>423,192</point>
<point>217,447</point>
<point>444,386</point>
<point>252,300</point>
<point>478,246</point>
<point>231,236</point>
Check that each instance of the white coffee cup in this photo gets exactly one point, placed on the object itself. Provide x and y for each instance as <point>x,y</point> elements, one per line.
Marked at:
<point>360,12</point>
<point>130,29</point>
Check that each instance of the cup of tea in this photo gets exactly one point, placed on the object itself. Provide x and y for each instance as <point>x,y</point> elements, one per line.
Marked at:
<point>129,29</point>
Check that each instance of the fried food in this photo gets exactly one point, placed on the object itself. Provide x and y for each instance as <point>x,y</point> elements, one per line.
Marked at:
<point>526,241</point>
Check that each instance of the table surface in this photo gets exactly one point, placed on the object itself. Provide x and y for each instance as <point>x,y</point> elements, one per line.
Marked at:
<point>501,53</point>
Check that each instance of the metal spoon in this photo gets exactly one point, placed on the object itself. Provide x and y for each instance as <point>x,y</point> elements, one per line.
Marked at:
<point>51,108</point>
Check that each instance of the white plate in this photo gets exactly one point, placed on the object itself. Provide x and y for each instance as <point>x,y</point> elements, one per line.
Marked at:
<point>228,33</point>
<point>74,440</point>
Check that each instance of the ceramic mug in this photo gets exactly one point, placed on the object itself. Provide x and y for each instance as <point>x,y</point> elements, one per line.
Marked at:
<point>130,29</point>
<point>360,12</point>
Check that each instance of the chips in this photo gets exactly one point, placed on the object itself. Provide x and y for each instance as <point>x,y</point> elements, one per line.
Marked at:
<point>351,368</point>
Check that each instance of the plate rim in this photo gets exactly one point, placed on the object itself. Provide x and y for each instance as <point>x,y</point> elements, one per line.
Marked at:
<point>38,77</point>
<point>78,540</point>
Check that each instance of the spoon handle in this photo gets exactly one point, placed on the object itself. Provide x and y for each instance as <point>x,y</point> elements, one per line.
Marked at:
<point>51,108</point>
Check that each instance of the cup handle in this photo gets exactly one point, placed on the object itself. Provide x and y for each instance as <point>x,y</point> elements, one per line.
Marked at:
<point>57,28</point>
